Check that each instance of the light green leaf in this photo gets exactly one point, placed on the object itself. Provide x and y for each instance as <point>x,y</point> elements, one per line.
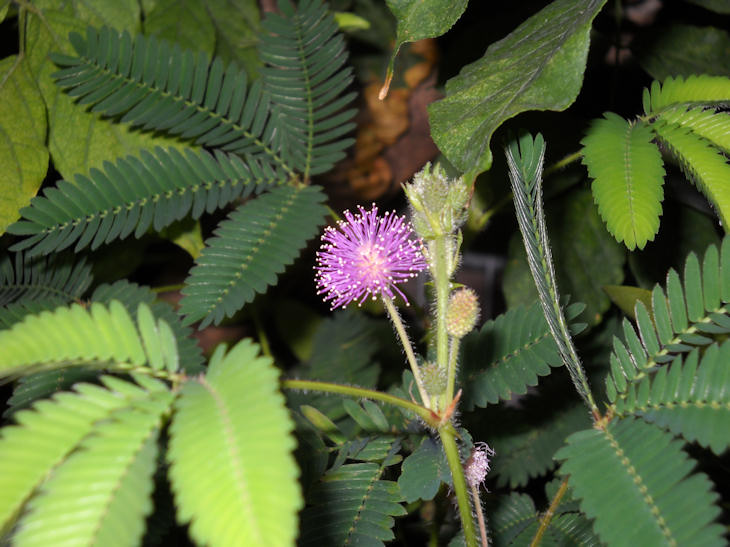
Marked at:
<point>79,140</point>
<point>237,23</point>
<point>120,14</point>
<point>183,22</point>
<point>586,258</point>
<point>683,50</point>
<point>4,9</point>
<point>186,234</point>
<point>101,494</point>
<point>628,176</point>
<point>23,153</point>
<point>232,468</point>
<point>419,19</point>
<point>539,66</point>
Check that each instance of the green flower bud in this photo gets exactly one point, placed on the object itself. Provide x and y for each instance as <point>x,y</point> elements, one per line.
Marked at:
<point>462,312</point>
<point>434,379</point>
<point>438,204</point>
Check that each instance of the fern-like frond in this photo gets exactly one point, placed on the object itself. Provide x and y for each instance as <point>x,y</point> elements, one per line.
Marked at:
<point>100,495</point>
<point>706,123</point>
<point>305,77</point>
<point>643,480</point>
<point>525,158</point>
<point>40,385</point>
<point>161,87</point>
<point>508,354</point>
<point>230,453</point>
<point>514,514</point>
<point>134,194</point>
<point>46,434</point>
<point>692,91</point>
<point>99,337</point>
<point>249,250</point>
<point>23,279</point>
<point>690,400</point>
<point>687,314</point>
<point>353,505</point>
<point>132,295</point>
<point>527,439</point>
<point>703,164</point>
<point>628,177</point>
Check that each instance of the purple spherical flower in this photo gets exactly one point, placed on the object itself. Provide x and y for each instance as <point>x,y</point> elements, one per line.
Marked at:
<point>367,255</point>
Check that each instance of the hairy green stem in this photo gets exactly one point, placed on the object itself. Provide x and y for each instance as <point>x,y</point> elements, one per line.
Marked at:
<point>424,413</point>
<point>480,515</point>
<point>439,271</point>
<point>401,330</point>
<point>548,516</point>
<point>451,377</point>
<point>448,439</point>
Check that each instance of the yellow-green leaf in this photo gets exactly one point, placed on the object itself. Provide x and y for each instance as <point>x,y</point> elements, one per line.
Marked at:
<point>23,153</point>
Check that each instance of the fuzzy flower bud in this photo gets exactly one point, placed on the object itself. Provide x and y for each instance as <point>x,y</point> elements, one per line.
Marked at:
<point>438,204</point>
<point>477,466</point>
<point>462,312</point>
<point>434,379</point>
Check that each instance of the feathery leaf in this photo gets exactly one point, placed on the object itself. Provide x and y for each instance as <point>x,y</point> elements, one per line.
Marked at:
<point>692,91</point>
<point>508,354</point>
<point>305,77</point>
<point>628,177</point>
<point>231,464</point>
<point>690,400</point>
<point>249,250</point>
<point>644,481</point>
<point>162,87</point>
<point>525,158</point>
<point>100,495</point>
<point>703,164</point>
<point>48,433</point>
<point>73,335</point>
<point>134,194</point>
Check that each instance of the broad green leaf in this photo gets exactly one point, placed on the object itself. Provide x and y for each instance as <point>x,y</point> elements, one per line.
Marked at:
<point>231,453</point>
<point>237,23</point>
<point>538,66</point>
<point>23,153</point>
<point>683,50</point>
<point>78,139</point>
<point>183,22</point>
<point>419,19</point>
<point>586,257</point>
<point>4,5</point>
<point>628,176</point>
<point>120,14</point>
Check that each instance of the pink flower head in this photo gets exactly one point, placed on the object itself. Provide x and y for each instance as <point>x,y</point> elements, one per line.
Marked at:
<point>477,466</point>
<point>367,255</point>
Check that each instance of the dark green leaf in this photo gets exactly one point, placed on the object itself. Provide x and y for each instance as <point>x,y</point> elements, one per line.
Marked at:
<point>538,66</point>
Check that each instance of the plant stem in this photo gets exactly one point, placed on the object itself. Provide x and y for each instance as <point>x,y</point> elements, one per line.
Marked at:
<point>439,271</point>
<point>424,413</point>
<point>451,377</point>
<point>446,432</point>
<point>400,329</point>
<point>480,515</point>
<point>548,516</point>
